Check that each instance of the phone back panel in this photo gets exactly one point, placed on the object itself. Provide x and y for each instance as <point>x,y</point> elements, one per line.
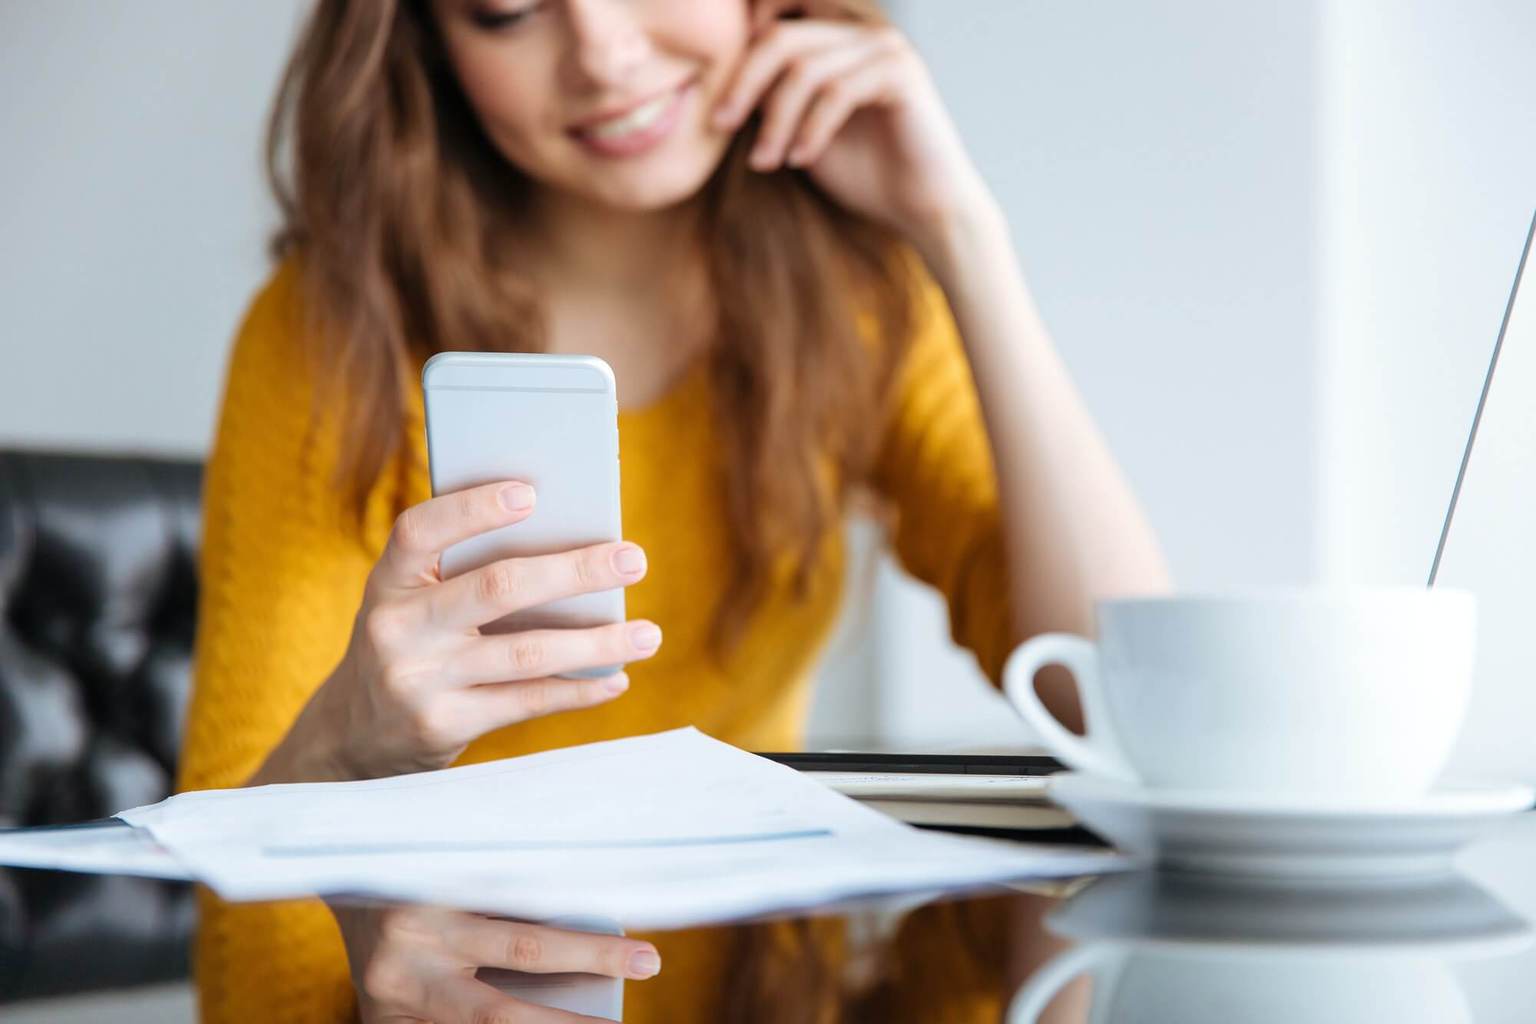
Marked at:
<point>548,420</point>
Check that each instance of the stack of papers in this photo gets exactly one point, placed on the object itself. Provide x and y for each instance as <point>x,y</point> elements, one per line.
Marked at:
<point>661,831</point>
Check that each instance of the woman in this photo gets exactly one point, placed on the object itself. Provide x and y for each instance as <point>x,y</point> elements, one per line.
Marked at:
<point>761,216</point>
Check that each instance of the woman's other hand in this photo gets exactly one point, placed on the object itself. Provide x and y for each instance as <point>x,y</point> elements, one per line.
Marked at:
<point>853,105</point>
<point>419,681</point>
<point>413,964</point>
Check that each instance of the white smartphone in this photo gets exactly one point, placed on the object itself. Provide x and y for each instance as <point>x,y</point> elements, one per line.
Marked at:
<point>552,422</point>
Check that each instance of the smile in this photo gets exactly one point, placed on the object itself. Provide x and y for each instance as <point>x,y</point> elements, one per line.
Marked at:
<point>638,129</point>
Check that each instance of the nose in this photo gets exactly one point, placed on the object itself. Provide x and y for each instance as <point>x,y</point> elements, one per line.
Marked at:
<point>607,41</point>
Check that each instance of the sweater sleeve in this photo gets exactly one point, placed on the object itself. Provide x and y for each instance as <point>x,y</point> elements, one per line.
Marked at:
<point>281,570</point>
<point>281,575</point>
<point>935,468</point>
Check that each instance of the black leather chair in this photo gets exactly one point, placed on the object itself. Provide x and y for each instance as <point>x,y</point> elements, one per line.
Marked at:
<point>98,593</point>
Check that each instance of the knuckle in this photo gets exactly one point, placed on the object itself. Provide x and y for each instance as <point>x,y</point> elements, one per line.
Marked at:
<point>384,625</point>
<point>891,38</point>
<point>498,1014</point>
<point>498,583</point>
<point>384,979</point>
<point>527,654</point>
<point>524,951</point>
<point>837,90</point>
<point>588,571</point>
<point>394,683</point>
<point>432,727</point>
<point>408,532</point>
<point>539,698</point>
<point>615,643</point>
<point>797,69</point>
<point>613,958</point>
<point>466,505</point>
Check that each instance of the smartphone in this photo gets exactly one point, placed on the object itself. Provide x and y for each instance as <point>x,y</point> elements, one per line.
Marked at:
<point>552,422</point>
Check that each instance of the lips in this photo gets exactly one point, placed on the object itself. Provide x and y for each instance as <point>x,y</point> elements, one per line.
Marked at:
<point>637,128</point>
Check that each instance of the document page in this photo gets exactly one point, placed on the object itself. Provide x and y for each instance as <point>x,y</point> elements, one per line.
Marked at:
<point>659,831</point>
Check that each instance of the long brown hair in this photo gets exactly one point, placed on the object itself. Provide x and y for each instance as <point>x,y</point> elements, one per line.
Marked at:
<point>395,205</point>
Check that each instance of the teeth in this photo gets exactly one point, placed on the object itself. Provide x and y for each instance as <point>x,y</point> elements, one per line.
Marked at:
<point>639,119</point>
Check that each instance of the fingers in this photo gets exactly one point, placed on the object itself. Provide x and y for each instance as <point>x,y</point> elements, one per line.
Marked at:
<point>766,12</point>
<point>501,588</point>
<point>423,531</point>
<point>833,105</point>
<point>804,78</point>
<point>538,949</point>
<point>547,652</point>
<point>494,705</point>
<point>809,78</point>
<point>768,58</point>
<point>419,963</point>
<point>460,999</point>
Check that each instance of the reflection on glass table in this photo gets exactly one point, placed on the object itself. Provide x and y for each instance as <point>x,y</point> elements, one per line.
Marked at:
<point>1187,948</point>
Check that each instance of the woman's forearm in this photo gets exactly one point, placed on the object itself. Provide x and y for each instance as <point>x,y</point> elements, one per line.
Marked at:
<point>1074,530</point>
<point>306,753</point>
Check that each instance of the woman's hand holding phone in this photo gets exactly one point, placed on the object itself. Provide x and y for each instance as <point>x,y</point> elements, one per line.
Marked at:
<point>419,681</point>
<point>418,963</point>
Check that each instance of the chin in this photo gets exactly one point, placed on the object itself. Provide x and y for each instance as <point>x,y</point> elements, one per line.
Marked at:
<point>649,185</point>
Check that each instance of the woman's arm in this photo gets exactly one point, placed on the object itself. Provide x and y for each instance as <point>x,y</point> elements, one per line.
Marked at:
<point>1074,530</point>
<point>854,106</point>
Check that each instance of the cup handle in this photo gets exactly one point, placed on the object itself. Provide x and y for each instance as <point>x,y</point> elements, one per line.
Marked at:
<point>1099,752</point>
<point>1103,960</point>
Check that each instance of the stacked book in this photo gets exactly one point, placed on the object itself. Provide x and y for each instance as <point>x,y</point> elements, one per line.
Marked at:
<point>1006,796</point>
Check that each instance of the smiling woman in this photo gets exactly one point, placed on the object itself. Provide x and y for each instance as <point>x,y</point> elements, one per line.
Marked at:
<point>761,216</point>
<point>475,154</point>
<point>659,69</point>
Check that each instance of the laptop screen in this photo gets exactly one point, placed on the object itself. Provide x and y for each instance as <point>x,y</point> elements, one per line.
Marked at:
<point>1488,546</point>
<point>1517,320</point>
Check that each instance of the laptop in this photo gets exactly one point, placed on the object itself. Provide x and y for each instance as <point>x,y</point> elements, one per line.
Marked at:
<point>1493,506</point>
<point>1488,545</point>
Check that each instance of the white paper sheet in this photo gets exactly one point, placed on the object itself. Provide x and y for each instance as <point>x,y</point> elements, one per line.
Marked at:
<point>102,848</point>
<point>655,831</point>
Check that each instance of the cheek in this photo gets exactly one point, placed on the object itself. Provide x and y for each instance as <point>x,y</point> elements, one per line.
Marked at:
<point>713,32</point>
<point>511,100</point>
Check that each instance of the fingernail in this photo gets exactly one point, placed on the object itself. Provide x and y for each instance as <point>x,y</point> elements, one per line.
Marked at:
<point>645,636</point>
<point>616,683</point>
<point>761,160</point>
<point>724,117</point>
<point>628,560</point>
<point>644,963</point>
<point>517,497</point>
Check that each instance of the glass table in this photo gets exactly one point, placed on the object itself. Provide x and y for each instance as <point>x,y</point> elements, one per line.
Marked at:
<point>1155,946</point>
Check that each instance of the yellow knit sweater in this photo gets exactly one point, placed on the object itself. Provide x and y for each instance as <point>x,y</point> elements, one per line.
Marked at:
<point>283,571</point>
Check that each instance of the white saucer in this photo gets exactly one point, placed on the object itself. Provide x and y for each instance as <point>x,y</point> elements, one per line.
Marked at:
<point>1286,836</point>
<point>1446,916</point>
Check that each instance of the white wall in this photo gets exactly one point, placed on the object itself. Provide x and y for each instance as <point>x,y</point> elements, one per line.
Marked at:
<point>1273,241</point>
<point>1270,239</point>
<point>132,211</point>
<point>1158,165</point>
<point>1430,184</point>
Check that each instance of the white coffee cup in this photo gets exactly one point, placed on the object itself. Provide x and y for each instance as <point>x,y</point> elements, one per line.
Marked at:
<point>1342,694</point>
<point>1205,986</point>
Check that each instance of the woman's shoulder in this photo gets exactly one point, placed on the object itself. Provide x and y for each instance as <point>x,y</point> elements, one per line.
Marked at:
<point>270,338</point>
<point>273,310</point>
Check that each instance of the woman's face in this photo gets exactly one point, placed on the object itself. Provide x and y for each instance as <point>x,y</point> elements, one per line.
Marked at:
<point>606,100</point>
